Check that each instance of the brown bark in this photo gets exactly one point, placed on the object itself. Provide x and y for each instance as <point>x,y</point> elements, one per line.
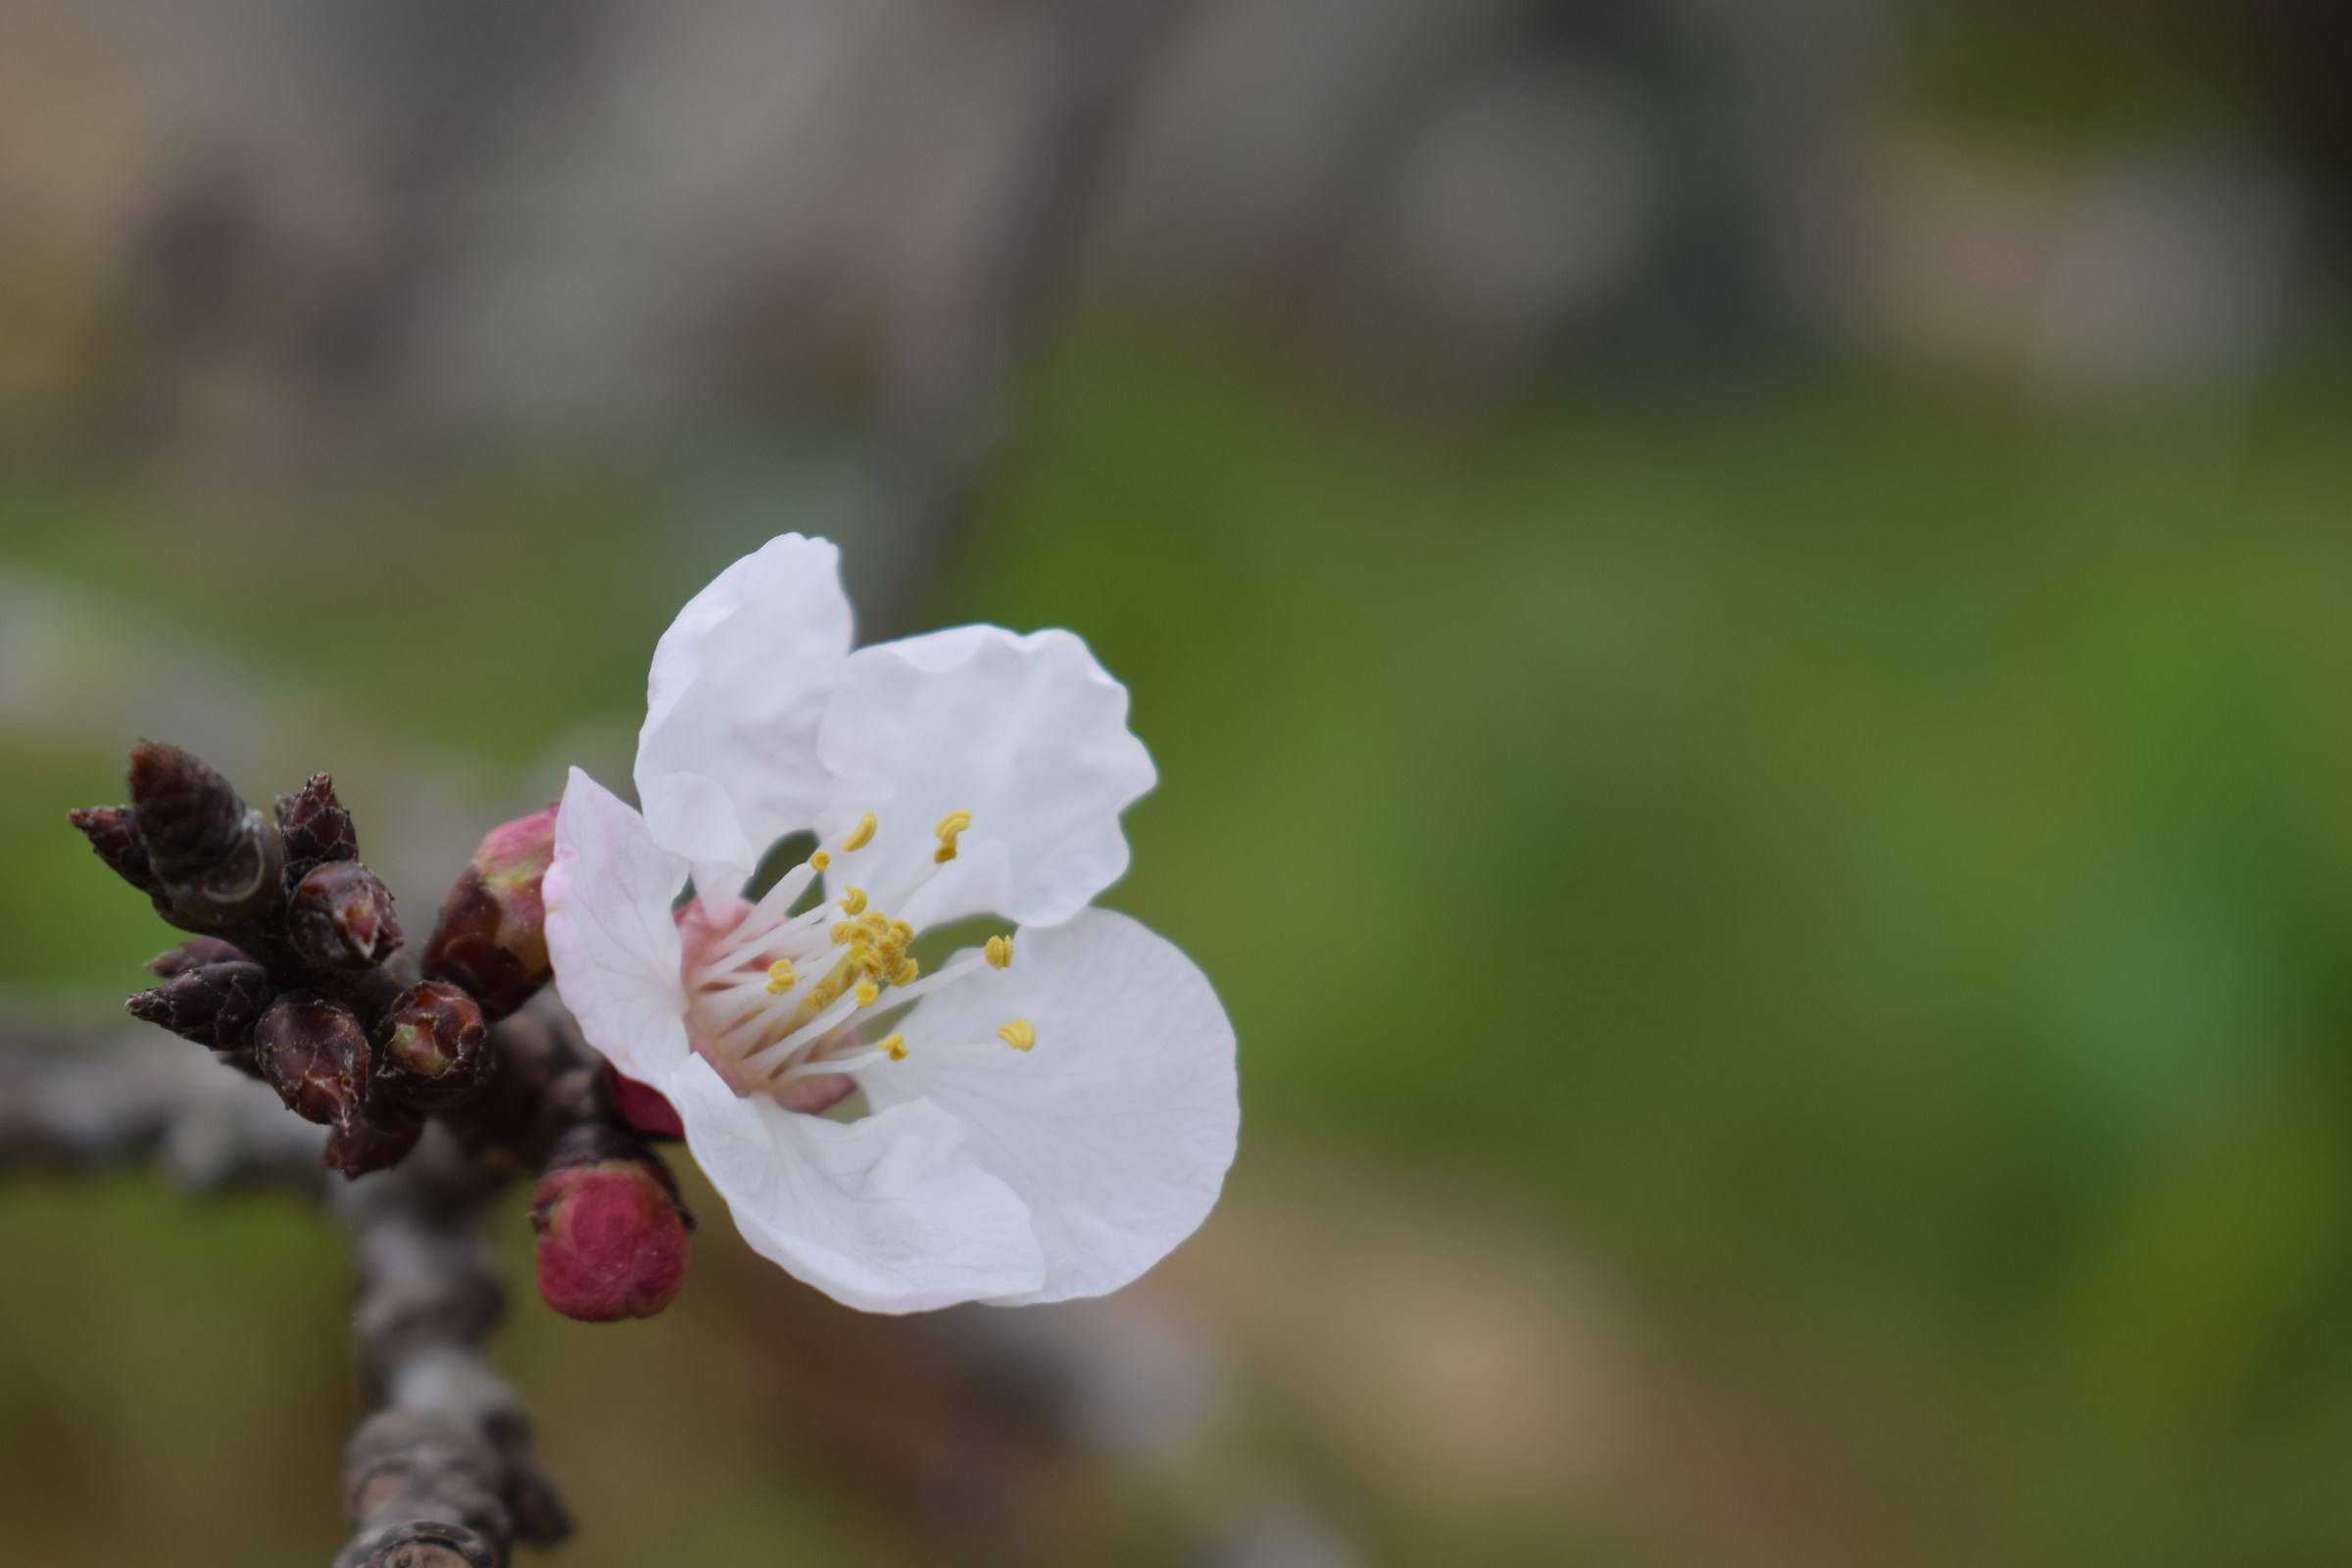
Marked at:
<point>443,1474</point>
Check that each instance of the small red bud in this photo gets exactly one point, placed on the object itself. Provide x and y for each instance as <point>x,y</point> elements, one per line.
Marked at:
<point>341,918</point>
<point>614,1241</point>
<point>432,1048</point>
<point>313,1053</point>
<point>316,825</point>
<point>492,935</point>
<point>214,1004</point>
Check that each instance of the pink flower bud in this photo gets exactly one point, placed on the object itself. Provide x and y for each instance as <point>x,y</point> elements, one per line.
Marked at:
<point>516,854</point>
<point>614,1242</point>
<point>492,936</point>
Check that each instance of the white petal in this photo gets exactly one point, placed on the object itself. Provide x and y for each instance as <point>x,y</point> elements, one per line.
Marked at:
<point>610,932</point>
<point>1029,734</point>
<point>726,764</point>
<point>886,1215</point>
<point>1117,1128</point>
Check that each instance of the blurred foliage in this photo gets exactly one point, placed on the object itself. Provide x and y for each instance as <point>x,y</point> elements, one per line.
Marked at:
<point>1879,871</point>
<point>2070,72</point>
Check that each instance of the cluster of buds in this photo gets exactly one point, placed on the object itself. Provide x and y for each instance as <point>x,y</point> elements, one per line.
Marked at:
<point>290,963</point>
<point>295,971</point>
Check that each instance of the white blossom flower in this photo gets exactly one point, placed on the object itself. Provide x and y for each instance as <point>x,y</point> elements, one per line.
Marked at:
<point>1054,1112</point>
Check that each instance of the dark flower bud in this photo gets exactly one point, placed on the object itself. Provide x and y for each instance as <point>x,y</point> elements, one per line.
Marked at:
<point>214,1004</point>
<point>312,1051</point>
<point>187,814</point>
<point>194,953</point>
<point>492,935</point>
<point>316,824</point>
<point>311,1048</point>
<point>614,1240</point>
<point>216,857</point>
<point>115,835</point>
<point>433,1048</point>
<point>341,918</point>
<point>377,1138</point>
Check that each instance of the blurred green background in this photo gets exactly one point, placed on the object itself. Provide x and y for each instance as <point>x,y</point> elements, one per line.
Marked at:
<point>1785,889</point>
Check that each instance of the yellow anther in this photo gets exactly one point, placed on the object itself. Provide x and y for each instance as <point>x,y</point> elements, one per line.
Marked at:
<point>901,932</point>
<point>844,932</point>
<point>950,825</point>
<point>868,993</point>
<point>853,901</point>
<point>903,971</point>
<point>861,835</point>
<point>894,1047</point>
<point>1021,1033</point>
<point>999,952</point>
<point>874,923</point>
<point>820,860</point>
<point>824,997</point>
<point>781,977</point>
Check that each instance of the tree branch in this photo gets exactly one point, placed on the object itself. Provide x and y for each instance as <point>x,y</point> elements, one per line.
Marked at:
<point>295,976</point>
<point>92,1106</point>
<point>444,1474</point>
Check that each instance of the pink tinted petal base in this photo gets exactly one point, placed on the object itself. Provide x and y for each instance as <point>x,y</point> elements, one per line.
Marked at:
<point>648,1109</point>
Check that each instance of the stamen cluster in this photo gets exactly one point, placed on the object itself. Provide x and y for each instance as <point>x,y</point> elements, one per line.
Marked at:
<point>759,1012</point>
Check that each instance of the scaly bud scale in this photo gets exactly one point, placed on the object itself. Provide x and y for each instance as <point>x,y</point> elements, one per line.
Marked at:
<point>341,918</point>
<point>193,953</point>
<point>115,834</point>
<point>212,858</point>
<point>214,1004</point>
<point>432,1048</point>
<point>316,825</point>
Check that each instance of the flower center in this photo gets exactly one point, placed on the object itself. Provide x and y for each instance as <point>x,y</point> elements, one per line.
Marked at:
<point>775,1000</point>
